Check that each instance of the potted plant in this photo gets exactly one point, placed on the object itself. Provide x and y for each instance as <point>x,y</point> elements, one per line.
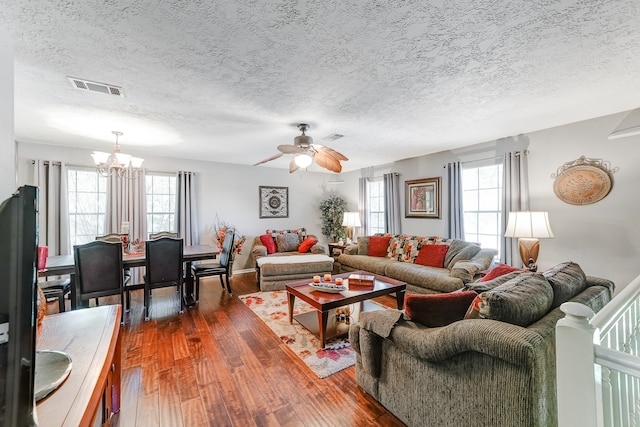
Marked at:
<point>332,211</point>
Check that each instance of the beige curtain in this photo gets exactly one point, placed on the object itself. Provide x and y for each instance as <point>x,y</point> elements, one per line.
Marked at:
<point>53,217</point>
<point>127,201</point>
<point>392,212</point>
<point>515,197</point>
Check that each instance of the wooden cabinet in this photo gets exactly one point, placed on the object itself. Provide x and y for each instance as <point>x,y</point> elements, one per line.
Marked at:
<point>91,393</point>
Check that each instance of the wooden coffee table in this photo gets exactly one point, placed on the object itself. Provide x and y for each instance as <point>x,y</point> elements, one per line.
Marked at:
<point>324,303</point>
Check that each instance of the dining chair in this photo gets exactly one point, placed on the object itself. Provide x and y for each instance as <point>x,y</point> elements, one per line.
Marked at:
<point>99,272</point>
<point>55,288</point>
<point>221,269</point>
<point>163,264</point>
<point>163,234</point>
<point>115,238</point>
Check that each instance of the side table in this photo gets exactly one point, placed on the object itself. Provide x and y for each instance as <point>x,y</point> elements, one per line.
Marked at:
<point>335,250</point>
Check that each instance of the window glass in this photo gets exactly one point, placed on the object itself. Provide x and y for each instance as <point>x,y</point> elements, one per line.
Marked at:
<point>482,201</point>
<point>375,206</point>
<point>87,194</point>
<point>161,202</point>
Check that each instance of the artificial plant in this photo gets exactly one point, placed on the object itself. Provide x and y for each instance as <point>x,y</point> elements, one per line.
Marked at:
<point>332,211</point>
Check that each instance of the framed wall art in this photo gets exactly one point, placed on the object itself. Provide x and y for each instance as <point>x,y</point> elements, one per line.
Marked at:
<point>274,202</point>
<point>422,198</point>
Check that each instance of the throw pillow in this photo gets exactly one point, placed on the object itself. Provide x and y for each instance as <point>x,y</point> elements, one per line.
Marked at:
<point>363,245</point>
<point>410,248</point>
<point>267,242</point>
<point>434,310</point>
<point>307,244</point>
<point>378,245</point>
<point>465,253</point>
<point>432,255</point>
<point>499,270</point>
<point>465,271</point>
<point>287,242</point>
<point>520,301</point>
<point>490,284</point>
<point>567,280</point>
<point>394,250</point>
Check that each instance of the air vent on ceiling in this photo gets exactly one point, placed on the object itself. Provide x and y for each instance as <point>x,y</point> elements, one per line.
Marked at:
<point>95,86</point>
<point>333,137</point>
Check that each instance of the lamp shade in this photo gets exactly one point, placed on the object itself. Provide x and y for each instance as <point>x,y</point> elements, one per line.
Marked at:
<point>527,224</point>
<point>303,160</point>
<point>351,219</point>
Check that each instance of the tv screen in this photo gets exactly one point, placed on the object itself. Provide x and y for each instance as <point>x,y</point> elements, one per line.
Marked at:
<point>18,255</point>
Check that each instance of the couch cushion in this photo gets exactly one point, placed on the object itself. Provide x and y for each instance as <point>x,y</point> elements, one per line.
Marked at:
<point>378,246</point>
<point>307,244</point>
<point>500,270</point>
<point>465,270</point>
<point>567,280</point>
<point>432,278</point>
<point>480,286</point>
<point>460,250</point>
<point>363,245</point>
<point>432,255</point>
<point>287,242</point>
<point>435,310</point>
<point>371,264</point>
<point>267,242</point>
<point>520,301</point>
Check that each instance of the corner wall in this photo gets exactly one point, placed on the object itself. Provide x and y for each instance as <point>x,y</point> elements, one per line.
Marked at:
<point>8,157</point>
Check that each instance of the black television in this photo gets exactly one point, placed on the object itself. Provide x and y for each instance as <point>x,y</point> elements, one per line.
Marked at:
<point>18,317</point>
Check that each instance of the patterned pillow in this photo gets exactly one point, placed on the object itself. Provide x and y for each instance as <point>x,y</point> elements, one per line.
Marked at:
<point>301,232</point>
<point>520,301</point>
<point>410,248</point>
<point>394,250</point>
<point>287,242</point>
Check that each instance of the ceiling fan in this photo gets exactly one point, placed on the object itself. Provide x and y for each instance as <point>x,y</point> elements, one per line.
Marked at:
<point>305,151</point>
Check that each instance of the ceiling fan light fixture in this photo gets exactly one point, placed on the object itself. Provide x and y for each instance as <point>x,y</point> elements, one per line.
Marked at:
<point>303,160</point>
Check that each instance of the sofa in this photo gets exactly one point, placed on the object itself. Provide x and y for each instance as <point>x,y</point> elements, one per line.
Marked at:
<point>283,256</point>
<point>448,263</point>
<point>493,366</point>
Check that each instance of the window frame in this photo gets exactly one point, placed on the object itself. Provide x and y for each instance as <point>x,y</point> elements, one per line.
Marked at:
<point>379,213</point>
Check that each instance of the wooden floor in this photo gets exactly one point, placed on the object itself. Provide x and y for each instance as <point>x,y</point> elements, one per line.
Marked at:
<point>217,364</point>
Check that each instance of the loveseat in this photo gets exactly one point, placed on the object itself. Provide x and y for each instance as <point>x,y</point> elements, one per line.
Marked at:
<point>448,263</point>
<point>283,256</point>
<point>495,367</point>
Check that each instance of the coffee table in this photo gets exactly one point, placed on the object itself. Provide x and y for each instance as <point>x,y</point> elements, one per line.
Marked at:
<point>324,303</point>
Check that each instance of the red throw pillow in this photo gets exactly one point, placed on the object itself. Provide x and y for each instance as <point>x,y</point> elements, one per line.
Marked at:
<point>307,244</point>
<point>432,255</point>
<point>499,270</point>
<point>378,245</point>
<point>434,310</point>
<point>268,242</point>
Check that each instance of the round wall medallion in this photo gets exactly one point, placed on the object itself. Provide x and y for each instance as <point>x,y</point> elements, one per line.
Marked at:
<point>582,184</point>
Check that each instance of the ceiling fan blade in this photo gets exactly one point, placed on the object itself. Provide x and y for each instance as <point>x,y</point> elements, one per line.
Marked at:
<point>290,149</point>
<point>327,161</point>
<point>275,156</point>
<point>331,152</point>
<point>292,165</point>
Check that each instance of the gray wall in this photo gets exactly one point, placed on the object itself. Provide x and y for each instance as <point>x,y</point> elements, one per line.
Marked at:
<point>602,237</point>
<point>7,159</point>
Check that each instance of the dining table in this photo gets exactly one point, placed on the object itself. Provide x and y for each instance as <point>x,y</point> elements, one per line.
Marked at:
<point>57,265</point>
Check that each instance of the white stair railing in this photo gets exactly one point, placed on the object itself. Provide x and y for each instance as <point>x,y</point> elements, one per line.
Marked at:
<point>598,362</point>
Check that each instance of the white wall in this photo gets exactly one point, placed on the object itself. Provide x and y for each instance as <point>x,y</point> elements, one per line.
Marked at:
<point>7,159</point>
<point>602,237</point>
<point>230,191</point>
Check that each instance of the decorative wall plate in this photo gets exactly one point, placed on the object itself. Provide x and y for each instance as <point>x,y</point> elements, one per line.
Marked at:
<point>583,181</point>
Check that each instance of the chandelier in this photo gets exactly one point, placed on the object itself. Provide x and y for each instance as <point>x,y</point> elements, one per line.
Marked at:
<point>117,163</point>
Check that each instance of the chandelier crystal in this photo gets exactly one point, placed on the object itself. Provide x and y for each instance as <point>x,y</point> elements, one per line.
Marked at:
<point>117,163</point>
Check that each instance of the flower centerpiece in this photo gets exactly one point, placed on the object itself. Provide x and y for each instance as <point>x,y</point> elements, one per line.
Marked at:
<point>220,229</point>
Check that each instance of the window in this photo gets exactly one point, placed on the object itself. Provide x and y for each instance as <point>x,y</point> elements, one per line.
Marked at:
<point>482,201</point>
<point>161,202</point>
<point>375,206</point>
<point>87,192</point>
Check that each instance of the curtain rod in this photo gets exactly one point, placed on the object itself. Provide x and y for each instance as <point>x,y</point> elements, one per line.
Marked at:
<point>517,153</point>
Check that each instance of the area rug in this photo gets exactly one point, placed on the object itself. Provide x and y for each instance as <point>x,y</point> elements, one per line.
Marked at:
<point>271,307</point>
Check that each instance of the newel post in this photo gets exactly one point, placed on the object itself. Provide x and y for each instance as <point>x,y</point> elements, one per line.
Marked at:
<point>575,369</point>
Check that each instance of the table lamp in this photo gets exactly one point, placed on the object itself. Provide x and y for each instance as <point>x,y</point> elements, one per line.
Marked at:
<point>528,227</point>
<point>351,220</point>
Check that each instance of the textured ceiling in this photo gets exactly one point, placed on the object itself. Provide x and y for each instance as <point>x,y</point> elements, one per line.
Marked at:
<point>226,80</point>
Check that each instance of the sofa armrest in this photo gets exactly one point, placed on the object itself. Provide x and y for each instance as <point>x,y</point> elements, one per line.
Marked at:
<point>351,249</point>
<point>258,251</point>
<point>501,340</point>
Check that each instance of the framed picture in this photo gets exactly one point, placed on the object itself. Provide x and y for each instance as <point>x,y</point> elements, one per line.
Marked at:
<point>274,202</point>
<point>422,198</point>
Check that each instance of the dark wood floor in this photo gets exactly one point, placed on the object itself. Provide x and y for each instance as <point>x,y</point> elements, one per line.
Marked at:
<point>217,364</point>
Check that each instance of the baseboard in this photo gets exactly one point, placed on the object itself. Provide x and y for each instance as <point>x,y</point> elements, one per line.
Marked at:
<point>244,271</point>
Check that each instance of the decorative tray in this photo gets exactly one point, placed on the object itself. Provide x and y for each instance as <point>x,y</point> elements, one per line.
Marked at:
<point>328,287</point>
